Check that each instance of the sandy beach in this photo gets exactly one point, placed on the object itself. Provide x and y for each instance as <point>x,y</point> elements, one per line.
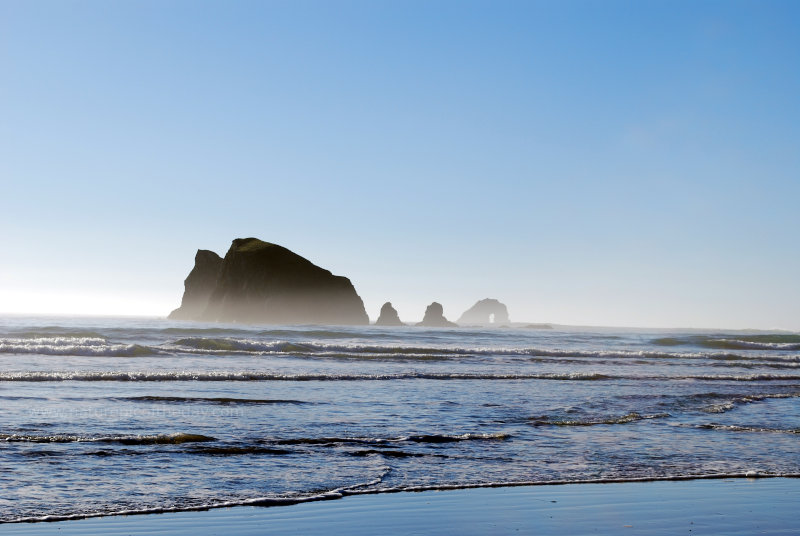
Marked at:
<point>726,506</point>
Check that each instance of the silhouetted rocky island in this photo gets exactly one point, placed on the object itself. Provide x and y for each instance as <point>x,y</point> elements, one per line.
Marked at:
<point>259,282</point>
<point>488,311</point>
<point>434,317</point>
<point>198,286</point>
<point>388,316</point>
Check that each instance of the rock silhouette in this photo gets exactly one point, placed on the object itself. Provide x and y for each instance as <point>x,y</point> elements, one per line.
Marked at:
<point>388,316</point>
<point>434,317</point>
<point>198,286</point>
<point>260,282</point>
<point>488,311</point>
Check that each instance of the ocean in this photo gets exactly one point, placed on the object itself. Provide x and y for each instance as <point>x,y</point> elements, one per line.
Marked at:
<point>102,416</point>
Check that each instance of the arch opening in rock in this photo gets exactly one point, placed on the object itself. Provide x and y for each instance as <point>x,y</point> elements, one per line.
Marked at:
<point>486,312</point>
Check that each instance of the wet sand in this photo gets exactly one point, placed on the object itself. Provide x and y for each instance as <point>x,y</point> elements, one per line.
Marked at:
<point>727,506</point>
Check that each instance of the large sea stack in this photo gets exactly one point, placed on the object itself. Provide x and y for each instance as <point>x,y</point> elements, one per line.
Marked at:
<point>259,282</point>
<point>198,286</point>
<point>488,311</point>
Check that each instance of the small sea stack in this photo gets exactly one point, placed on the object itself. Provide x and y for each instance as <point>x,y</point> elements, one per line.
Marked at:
<point>434,317</point>
<point>388,316</point>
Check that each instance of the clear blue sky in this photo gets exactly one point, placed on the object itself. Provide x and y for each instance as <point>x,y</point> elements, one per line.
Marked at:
<point>590,162</point>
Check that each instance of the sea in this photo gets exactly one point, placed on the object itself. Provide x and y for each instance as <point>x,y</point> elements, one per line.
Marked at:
<point>105,416</point>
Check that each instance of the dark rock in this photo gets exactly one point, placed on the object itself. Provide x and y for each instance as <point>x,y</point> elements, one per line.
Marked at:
<point>434,317</point>
<point>260,282</point>
<point>198,286</point>
<point>388,316</point>
<point>488,311</point>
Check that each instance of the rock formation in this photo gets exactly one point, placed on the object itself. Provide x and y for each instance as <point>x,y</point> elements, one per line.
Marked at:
<point>388,316</point>
<point>488,311</point>
<point>259,282</point>
<point>198,286</point>
<point>434,317</point>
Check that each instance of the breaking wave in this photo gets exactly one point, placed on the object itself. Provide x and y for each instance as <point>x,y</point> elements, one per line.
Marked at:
<point>69,345</point>
<point>398,351</point>
<point>95,345</point>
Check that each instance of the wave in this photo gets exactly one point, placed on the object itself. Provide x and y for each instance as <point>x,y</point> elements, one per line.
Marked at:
<point>259,376</point>
<point>59,332</point>
<point>239,451</point>
<point>254,346</point>
<point>736,428</point>
<point>369,488</point>
<point>159,439</point>
<point>624,419</point>
<point>315,348</point>
<point>225,345</point>
<point>225,401</point>
<point>424,438</point>
<point>200,450</point>
<point>72,346</point>
<point>390,453</point>
<point>731,403</point>
<point>319,333</point>
<point>201,331</point>
<point>96,345</point>
<point>437,438</point>
<point>786,342</point>
<point>216,376</point>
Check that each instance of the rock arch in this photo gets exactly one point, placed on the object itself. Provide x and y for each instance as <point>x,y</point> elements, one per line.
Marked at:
<point>488,311</point>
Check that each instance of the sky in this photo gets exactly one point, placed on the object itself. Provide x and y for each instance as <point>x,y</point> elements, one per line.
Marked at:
<point>585,162</point>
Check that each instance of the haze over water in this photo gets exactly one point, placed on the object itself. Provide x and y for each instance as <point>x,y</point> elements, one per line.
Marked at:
<point>588,163</point>
<point>113,414</point>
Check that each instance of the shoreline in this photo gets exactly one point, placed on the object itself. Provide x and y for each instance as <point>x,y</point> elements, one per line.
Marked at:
<point>740,502</point>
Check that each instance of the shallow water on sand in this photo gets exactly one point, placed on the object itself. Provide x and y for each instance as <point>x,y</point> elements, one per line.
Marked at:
<point>114,414</point>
